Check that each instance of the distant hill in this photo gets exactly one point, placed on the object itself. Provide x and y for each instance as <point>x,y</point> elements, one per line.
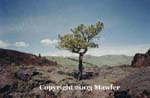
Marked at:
<point>21,58</point>
<point>112,60</point>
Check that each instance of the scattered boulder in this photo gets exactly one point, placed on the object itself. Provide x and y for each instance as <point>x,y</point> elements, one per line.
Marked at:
<point>27,74</point>
<point>7,87</point>
<point>90,72</point>
<point>122,94</point>
<point>145,94</point>
<point>141,60</point>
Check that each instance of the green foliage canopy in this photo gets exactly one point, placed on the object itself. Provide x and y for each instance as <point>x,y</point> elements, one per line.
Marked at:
<point>81,38</point>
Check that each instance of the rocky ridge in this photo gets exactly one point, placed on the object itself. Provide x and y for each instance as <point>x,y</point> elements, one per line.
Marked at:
<point>9,57</point>
<point>141,60</point>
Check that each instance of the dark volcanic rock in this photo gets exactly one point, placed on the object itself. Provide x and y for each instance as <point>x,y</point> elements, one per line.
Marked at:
<point>7,88</point>
<point>138,83</point>
<point>148,52</point>
<point>8,57</point>
<point>141,60</point>
<point>122,94</point>
<point>26,74</point>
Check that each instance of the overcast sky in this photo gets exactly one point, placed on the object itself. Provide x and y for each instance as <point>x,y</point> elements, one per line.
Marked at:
<point>33,25</point>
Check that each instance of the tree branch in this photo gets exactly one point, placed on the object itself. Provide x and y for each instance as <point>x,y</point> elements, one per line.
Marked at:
<point>85,50</point>
<point>75,49</point>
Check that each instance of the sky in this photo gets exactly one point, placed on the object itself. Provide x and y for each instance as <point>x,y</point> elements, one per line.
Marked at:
<point>33,25</point>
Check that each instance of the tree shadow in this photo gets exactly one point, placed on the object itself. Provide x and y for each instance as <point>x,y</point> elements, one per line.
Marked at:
<point>75,74</point>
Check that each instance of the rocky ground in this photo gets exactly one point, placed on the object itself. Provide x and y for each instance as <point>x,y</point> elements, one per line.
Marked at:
<point>19,80</point>
<point>24,81</point>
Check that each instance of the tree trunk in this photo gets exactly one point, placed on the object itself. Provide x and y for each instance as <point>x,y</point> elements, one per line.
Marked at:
<point>80,66</point>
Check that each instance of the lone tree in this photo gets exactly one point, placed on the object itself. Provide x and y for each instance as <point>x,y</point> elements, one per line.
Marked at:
<point>79,40</point>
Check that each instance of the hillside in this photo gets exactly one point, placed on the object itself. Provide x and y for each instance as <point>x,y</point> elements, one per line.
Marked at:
<point>12,57</point>
<point>94,60</point>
